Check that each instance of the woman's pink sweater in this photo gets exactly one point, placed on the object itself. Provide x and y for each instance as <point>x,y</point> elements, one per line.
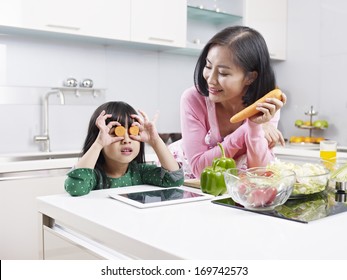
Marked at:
<point>200,134</point>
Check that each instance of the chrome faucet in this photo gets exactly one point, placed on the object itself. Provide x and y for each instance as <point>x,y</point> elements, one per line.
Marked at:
<point>44,138</point>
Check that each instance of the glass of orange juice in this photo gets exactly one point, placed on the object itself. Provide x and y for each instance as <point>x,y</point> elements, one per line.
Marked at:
<point>328,150</point>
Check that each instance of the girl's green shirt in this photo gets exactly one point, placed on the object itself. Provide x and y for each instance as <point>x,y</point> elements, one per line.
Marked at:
<point>81,181</point>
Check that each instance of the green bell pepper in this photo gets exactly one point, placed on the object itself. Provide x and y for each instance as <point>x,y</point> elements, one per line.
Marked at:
<point>223,161</point>
<point>212,177</point>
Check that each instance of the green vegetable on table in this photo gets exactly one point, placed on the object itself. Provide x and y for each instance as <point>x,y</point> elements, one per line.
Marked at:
<point>212,177</point>
<point>340,173</point>
<point>224,161</point>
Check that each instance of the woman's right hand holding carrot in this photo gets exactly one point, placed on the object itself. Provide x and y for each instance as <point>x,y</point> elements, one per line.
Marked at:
<point>269,107</point>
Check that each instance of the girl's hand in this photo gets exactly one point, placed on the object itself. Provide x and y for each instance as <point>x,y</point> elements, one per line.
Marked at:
<point>148,132</point>
<point>104,137</point>
<point>269,109</point>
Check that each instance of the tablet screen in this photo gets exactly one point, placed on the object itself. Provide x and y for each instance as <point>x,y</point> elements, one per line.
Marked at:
<point>159,197</point>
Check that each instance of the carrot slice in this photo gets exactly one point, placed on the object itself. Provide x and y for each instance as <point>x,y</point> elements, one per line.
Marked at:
<point>119,131</point>
<point>134,130</point>
<point>251,109</point>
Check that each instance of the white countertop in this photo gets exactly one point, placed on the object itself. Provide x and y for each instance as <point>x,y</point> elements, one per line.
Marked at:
<point>304,151</point>
<point>197,230</point>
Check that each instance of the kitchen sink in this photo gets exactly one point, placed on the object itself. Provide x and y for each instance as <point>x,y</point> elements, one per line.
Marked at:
<point>38,156</point>
<point>23,166</point>
<point>28,174</point>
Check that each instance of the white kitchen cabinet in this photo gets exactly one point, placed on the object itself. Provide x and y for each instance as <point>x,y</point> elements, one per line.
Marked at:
<point>19,234</point>
<point>160,22</point>
<point>203,23</point>
<point>97,18</point>
<point>269,17</point>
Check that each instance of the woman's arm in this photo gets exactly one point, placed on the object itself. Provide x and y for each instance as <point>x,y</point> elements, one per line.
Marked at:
<point>262,132</point>
<point>273,135</point>
<point>271,112</point>
<point>257,149</point>
<point>195,126</point>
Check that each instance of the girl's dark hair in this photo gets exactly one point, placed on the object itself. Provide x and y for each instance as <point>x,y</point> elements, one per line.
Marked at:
<point>250,53</point>
<point>121,112</point>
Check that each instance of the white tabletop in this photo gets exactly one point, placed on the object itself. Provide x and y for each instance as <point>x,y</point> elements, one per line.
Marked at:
<point>196,230</point>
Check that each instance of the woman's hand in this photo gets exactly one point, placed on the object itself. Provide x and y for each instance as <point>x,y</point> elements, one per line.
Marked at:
<point>104,137</point>
<point>273,135</point>
<point>269,109</point>
<point>148,132</point>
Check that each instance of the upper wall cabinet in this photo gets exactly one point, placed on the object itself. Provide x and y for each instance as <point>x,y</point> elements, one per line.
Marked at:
<point>96,18</point>
<point>204,21</point>
<point>182,26</point>
<point>269,17</point>
<point>160,22</point>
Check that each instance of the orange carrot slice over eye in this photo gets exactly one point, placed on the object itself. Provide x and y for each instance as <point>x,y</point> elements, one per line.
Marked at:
<point>119,131</point>
<point>251,110</point>
<point>134,130</point>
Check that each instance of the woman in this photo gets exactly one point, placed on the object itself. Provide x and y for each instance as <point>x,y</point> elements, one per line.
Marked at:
<point>232,72</point>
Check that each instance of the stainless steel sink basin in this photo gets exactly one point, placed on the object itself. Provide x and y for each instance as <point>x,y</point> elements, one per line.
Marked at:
<point>33,174</point>
<point>23,166</point>
<point>38,156</point>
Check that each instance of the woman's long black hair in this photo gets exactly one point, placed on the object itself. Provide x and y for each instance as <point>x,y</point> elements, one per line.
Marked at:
<point>121,112</point>
<point>249,52</point>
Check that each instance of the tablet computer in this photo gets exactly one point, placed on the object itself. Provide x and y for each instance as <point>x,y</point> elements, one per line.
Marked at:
<point>160,197</point>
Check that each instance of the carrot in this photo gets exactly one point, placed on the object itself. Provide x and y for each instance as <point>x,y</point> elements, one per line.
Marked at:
<point>119,131</point>
<point>251,109</point>
<point>134,130</point>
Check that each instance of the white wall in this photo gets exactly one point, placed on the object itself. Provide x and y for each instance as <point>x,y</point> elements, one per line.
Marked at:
<point>313,74</point>
<point>315,69</point>
<point>148,80</point>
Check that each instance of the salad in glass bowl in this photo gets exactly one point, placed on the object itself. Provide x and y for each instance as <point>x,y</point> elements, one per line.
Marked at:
<point>311,177</point>
<point>259,189</point>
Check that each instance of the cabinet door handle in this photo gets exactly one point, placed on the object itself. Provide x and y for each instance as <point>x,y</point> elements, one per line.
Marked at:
<point>161,39</point>
<point>84,242</point>
<point>63,27</point>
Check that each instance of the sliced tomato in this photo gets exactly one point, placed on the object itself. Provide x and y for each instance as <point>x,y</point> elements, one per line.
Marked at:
<point>268,173</point>
<point>242,189</point>
<point>270,195</point>
<point>256,198</point>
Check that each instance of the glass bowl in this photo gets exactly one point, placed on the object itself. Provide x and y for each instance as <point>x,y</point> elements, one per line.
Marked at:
<point>312,176</point>
<point>258,188</point>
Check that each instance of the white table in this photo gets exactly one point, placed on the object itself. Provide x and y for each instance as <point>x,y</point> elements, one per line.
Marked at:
<point>198,230</point>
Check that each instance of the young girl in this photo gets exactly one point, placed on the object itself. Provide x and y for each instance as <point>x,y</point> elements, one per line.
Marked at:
<point>111,161</point>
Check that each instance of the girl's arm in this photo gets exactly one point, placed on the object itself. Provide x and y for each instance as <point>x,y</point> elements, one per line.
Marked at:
<point>89,159</point>
<point>148,134</point>
<point>164,155</point>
